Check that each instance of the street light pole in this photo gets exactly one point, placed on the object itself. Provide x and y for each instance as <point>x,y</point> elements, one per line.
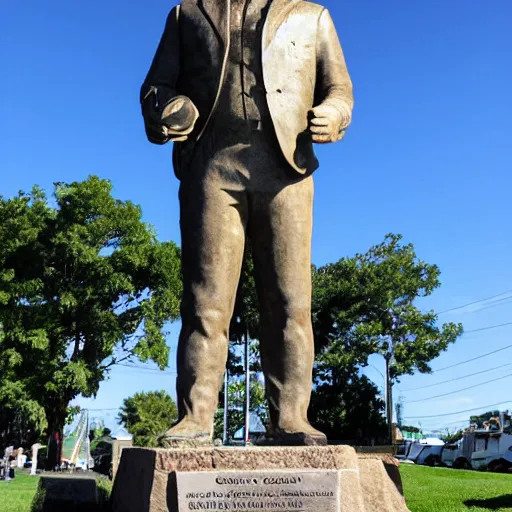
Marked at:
<point>226,402</point>
<point>247,390</point>
<point>389,399</point>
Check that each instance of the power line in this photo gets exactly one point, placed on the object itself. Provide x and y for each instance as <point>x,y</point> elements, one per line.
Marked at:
<point>456,378</point>
<point>458,412</point>
<point>458,390</point>
<point>168,372</point>
<point>473,359</point>
<point>494,303</point>
<point>488,327</point>
<point>449,424</point>
<point>474,302</point>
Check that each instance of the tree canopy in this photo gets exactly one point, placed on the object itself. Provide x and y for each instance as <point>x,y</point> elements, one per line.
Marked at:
<point>366,305</point>
<point>349,409</point>
<point>147,416</point>
<point>84,284</point>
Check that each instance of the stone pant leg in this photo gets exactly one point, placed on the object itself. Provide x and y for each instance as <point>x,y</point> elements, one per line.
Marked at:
<point>213,212</point>
<point>280,230</point>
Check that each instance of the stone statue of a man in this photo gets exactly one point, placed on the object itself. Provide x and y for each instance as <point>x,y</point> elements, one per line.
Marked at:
<point>244,88</point>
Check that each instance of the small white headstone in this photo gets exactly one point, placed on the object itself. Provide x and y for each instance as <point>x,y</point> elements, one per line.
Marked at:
<point>35,449</point>
<point>20,460</point>
<point>7,453</point>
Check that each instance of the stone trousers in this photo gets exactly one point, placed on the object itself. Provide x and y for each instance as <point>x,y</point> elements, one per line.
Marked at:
<point>238,185</point>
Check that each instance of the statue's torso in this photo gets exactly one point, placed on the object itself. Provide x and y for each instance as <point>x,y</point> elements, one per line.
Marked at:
<point>243,93</point>
<point>282,68</point>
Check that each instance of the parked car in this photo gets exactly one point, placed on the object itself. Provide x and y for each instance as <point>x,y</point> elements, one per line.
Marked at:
<point>426,452</point>
<point>402,449</point>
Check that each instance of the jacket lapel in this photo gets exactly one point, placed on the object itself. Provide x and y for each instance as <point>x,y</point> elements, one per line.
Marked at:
<point>216,13</point>
<point>277,13</point>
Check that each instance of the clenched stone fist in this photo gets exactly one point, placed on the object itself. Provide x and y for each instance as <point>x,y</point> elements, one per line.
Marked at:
<point>328,123</point>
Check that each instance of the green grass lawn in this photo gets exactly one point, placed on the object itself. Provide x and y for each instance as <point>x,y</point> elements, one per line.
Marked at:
<point>449,490</point>
<point>17,495</point>
<point>23,494</point>
<point>426,490</point>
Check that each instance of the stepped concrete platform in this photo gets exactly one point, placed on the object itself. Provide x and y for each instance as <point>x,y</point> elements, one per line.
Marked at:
<point>289,479</point>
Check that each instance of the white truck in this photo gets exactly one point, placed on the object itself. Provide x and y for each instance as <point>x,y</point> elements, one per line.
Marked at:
<point>458,455</point>
<point>486,444</point>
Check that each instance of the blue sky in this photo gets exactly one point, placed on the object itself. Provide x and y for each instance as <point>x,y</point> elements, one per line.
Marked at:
<point>428,154</point>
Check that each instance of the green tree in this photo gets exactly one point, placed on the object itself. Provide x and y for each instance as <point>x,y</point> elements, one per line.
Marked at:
<point>147,416</point>
<point>84,284</point>
<point>366,305</point>
<point>22,419</point>
<point>350,410</point>
<point>452,437</point>
<point>98,432</point>
<point>413,430</point>
<point>73,411</point>
<point>236,406</point>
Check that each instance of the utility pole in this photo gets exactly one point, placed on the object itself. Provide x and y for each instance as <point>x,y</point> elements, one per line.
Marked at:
<point>226,402</point>
<point>389,399</point>
<point>399,410</point>
<point>88,442</point>
<point>247,390</point>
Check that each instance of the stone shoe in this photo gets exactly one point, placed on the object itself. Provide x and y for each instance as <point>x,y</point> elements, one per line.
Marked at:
<point>306,436</point>
<point>186,434</point>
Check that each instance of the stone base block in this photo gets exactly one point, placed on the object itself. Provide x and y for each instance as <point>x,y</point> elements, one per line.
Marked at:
<point>286,479</point>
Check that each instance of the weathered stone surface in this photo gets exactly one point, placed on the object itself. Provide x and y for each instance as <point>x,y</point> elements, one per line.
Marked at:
<point>390,464</point>
<point>246,171</point>
<point>378,495</point>
<point>329,457</point>
<point>185,460</point>
<point>147,480</point>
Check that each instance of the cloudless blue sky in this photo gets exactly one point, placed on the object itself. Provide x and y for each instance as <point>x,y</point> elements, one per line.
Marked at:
<point>428,154</point>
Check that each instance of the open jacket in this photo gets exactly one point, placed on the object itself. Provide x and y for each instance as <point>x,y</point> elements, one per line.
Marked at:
<point>302,61</point>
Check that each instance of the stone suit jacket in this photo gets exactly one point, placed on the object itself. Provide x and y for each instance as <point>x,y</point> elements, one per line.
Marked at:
<point>302,61</point>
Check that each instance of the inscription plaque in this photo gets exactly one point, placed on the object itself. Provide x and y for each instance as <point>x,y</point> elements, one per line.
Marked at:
<point>254,491</point>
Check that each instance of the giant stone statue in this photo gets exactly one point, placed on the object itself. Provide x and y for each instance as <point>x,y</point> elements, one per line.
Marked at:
<point>244,88</point>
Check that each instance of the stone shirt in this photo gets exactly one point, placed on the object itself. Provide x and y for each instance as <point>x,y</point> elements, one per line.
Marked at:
<point>243,95</point>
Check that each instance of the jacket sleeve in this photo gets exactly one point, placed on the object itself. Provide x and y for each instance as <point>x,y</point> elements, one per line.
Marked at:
<point>333,83</point>
<point>159,87</point>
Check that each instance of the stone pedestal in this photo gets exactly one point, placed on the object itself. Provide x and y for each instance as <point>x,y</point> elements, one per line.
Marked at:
<point>118,445</point>
<point>289,479</point>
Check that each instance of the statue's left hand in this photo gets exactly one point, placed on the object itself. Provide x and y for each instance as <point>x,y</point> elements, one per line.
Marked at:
<point>326,124</point>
